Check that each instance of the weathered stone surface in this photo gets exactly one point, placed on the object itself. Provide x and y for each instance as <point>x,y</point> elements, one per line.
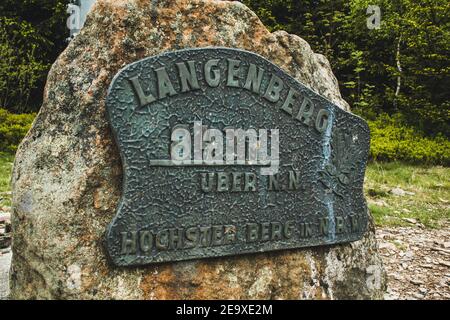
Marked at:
<point>67,174</point>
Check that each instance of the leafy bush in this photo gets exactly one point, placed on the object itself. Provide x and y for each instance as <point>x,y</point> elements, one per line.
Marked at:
<point>32,34</point>
<point>13,127</point>
<point>21,71</point>
<point>403,66</point>
<point>392,140</point>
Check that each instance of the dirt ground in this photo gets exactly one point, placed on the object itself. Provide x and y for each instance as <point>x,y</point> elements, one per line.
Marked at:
<point>417,262</point>
<point>5,261</point>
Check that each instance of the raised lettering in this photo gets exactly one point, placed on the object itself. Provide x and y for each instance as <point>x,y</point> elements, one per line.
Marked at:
<point>165,86</point>
<point>233,72</point>
<point>143,98</point>
<point>145,241</point>
<point>254,78</point>
<point>188,78</point>
<point>129,242</point>
<point>274,89</point>
<point>212,76</point>
<point>250,182</point>
<point>294,180</point>
<point>287,105</point>
<point>306,111</point>
<point>322,120</point>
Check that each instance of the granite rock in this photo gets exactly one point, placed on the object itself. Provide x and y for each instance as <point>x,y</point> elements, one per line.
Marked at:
<point>67,173</point>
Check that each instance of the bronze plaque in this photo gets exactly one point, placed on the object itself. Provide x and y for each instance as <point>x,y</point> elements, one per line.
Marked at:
<point>224,153</point>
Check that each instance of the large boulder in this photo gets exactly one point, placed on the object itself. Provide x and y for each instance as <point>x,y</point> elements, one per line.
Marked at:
<point>67,173</point>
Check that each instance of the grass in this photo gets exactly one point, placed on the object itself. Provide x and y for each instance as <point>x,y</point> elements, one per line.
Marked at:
<point>427,201</point>
<point>6,161</point>
<point>429,204</point>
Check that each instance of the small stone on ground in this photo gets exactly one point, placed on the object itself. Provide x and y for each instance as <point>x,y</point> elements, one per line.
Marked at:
<point>416,261</point>
<point>5,262</point>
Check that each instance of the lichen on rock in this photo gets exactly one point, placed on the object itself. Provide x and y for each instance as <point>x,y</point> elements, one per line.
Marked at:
<point>67,175</point>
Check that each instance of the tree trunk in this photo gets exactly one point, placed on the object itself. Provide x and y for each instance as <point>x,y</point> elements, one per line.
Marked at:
<point>399,76</point>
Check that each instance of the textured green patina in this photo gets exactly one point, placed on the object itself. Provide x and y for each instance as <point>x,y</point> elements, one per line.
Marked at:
<point>168,214</point>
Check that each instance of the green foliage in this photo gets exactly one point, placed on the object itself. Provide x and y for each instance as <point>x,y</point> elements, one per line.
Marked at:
<point>32,34</point>
<point>428,195</point>
<point>13,127</point>
<point>20,74</point>
<point>6,164</point>
<point>392,140</point>
<point>412,46</point>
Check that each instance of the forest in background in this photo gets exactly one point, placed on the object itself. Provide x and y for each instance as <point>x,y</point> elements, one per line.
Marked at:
<point>396,77</point>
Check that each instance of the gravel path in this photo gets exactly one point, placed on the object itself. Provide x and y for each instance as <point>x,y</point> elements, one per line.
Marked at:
<point>5,262</point>
<point>417,262</point>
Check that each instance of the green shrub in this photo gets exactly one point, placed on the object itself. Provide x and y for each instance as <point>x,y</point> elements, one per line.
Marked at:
<point>392,140</point>
<point>13,127</point>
